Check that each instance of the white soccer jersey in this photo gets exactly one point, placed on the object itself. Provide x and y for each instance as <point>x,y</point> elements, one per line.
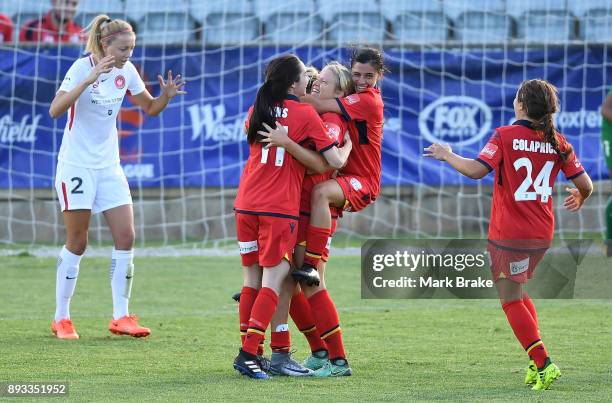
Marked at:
<point>90,137</point>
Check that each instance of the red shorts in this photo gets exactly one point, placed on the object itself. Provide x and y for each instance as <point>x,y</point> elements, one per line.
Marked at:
<point>264,239</point>
<point>515,265</point>
<point>358,192</point>
<point>301,234</point>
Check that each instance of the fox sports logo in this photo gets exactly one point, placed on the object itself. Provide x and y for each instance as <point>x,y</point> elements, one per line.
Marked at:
<point>457,120</point>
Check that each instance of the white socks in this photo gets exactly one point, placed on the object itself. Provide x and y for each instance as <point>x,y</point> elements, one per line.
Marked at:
<point>121,274</point>
<point>65,282</point>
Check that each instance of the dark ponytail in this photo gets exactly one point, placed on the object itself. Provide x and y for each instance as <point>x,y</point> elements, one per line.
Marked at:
<point>540,101</point>
<point>281,73</point>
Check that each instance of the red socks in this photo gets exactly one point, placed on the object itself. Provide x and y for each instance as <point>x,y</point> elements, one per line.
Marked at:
<point>247,299</point>
<point>261,315</point>
<point>280,342</point>
<point>531,308</point>
<point>316,241</point>
<point>526,331</point>
<point>326,319</point>
<point>302,317</point>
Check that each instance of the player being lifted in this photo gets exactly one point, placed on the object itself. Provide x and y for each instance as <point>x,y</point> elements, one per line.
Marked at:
<point>89,179</point>
<point>358,183</point>
<point>312,310</point>
<point>267,204</point>
<point>526,157</point>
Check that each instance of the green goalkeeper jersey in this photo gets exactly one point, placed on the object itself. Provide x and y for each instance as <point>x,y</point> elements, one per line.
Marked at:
<point>606,138</point>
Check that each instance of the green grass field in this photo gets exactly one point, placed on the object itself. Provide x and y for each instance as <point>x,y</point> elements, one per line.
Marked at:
<point>399,350</point>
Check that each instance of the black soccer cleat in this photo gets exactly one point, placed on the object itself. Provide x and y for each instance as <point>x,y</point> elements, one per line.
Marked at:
<point>248,364</point>
<point>236,297</point>
<point>307,274</point>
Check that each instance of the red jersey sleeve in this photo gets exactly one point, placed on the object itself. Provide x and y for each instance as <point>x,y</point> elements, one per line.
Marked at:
<point>319,133</point>
<point>358,106</point>
<point>571,167</point>
<point>491,154</point>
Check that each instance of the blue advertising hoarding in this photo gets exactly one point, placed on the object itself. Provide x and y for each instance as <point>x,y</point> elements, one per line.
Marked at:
<point>454,96</point>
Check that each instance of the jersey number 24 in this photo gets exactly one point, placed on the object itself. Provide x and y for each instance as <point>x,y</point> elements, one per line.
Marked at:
<point>541,184</point>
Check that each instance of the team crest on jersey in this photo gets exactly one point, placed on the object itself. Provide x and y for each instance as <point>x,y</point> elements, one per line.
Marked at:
<point>352,99</point>
<point>577,164</point>
<point>489,150</point>
<point>120,82</point>
<point>333,131</point>
<point>356,184</point>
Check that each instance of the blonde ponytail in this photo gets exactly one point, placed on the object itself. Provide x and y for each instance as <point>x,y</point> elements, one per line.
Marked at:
<point>103,30</point>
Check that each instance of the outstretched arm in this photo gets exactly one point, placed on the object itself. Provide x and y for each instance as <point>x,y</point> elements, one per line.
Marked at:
<point>170,88</point>
<point>466,166</point>
<point>321,105</point>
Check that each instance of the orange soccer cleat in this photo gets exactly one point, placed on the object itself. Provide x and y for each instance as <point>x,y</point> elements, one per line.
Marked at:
<point>128,325</point>
<point>64,329</point>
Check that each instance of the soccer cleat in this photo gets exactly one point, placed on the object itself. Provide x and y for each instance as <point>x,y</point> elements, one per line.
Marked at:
<point>249,365</point>
<point>264,363</point>
<point>338,367</point>
<point>64,329</point>
<point>282,364</point>
<point>531,373</point>
<point>128,325</point>
<point>236,297</point>
<point>316,360</point>
<point>307,274</point>
<point>546,377</point>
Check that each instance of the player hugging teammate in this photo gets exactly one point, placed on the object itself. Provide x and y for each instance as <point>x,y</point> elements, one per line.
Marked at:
<point>526,157</point>
<point>347,101</point>
<point>267,205</point>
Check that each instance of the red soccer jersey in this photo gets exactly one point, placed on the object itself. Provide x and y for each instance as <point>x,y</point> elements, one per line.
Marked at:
<point>365,112</point>
<point>526,168</point>
<point>336,127</point>
<point>44,30</point>
<point>6,29</point>
<point>272,179</point>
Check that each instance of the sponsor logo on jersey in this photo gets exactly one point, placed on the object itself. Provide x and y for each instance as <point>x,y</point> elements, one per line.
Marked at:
<point>519,267</point>
<point>352,99</point>
<point>458,120</point>
<point>489,150</point>
<point>356,184</point>
<point>23,131</point>
<point>120,81</point>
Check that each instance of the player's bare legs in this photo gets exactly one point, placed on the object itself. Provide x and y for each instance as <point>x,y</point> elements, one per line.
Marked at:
<point>324,195</point>
<point>77,227</point>
<point>77,224</point>
<point>120,221</point>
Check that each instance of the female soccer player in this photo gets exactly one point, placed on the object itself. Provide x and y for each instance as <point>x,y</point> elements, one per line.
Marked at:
<point>313,311</point>
<point>354,188</point>
<point>526,157</point>
<point>89,179</point>
<point>358,183</point>
<point>267,203</point>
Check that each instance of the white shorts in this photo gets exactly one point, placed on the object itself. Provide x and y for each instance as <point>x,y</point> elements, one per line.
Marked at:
<point>97,190</point>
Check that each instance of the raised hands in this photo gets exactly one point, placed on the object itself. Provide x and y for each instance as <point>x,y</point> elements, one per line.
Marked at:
<point>172,86</point>
<point>105,65</point>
